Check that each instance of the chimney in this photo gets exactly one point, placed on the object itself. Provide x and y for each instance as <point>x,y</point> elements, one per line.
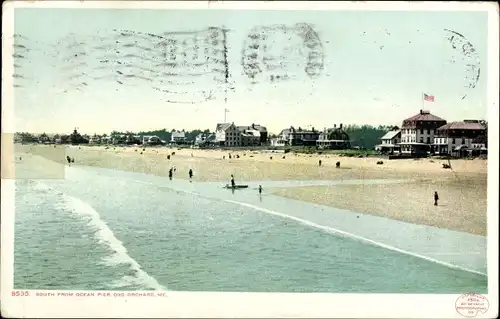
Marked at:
<point>340,125</point>
<point>334,125</point>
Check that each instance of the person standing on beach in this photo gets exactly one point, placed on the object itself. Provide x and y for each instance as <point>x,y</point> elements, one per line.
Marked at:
<point>260,189</point>
<point>190,174</point>
<point>319,162</point>
<point>170,173</point>
<point>436,198</point>
<point>233,185</point>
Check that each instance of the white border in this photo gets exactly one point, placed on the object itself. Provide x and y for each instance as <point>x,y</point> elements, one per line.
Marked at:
<point>184,304</point>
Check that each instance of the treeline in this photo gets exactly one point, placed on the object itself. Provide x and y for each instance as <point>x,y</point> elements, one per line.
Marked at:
<point>367,136</point>
<point>362,136</point>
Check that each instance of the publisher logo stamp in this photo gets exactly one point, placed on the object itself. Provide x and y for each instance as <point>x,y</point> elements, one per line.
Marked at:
<point>471,304</point>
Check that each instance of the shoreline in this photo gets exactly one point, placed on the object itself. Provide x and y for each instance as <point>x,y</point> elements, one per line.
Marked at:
<point>462,190</point>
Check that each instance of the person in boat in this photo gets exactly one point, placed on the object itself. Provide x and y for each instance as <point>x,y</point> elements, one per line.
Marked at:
<point>233,184</point>
<point>260,189</point>
<point>170,173</point>
<point>436,198</point>
<point>72,160</point>
<point>190,174</point>
<point>68,159</point>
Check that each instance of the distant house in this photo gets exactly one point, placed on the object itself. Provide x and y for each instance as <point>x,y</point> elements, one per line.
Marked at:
<point>298,137</point>
<point>44,139</point>
<point>106,140</point>
<point>263,134</point>
<point>333,138</point>
<point>480,142</point>
<point>250,137</point>
<point>133,139</point>
<point>63,139</point>
<point>205,140</point>
<point>277,142</point>
<point>228,135</point>
<point>461,138</point>
<point>119,139</point>
<point>283,138</point>
<point>178,137</point>
<point>93,140</point>
<point>418,131</point>
<point>151,140</point>
<point>390,142</point>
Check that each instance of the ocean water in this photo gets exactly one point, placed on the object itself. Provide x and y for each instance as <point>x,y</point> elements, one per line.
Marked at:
<point>99,229</point>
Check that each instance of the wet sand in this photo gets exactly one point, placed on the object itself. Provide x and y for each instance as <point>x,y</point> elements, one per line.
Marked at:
<point>462,205</point>
<point>462,190</point>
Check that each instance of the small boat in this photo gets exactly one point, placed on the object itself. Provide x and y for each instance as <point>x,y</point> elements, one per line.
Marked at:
<point>235,186</point>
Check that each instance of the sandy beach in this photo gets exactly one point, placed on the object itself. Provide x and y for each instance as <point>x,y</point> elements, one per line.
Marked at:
<point>462,190</point>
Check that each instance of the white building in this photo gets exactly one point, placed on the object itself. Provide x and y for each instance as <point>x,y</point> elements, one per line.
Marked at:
<point>417,132</point>
<point>277,142</point>
<point>390,141</point>
<point>96,139</point>
<point>178,137</point>
<point>204,139</point>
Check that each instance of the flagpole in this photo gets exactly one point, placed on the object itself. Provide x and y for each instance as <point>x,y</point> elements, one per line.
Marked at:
<point>423,100</point>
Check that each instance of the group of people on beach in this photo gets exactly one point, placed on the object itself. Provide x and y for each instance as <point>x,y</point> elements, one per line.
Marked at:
<point>173,169</point>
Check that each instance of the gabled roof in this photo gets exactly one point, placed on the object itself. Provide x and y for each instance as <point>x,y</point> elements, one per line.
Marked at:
<point>425,116</point>
<point>390,135</point>
<point>285,131</point>
<point>462,126</point>
<point>223,126</point>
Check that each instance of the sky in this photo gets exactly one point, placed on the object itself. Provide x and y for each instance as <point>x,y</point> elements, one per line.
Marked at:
<point>375,68</point>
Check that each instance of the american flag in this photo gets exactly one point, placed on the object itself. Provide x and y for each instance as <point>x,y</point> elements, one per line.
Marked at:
<point>428,98</point>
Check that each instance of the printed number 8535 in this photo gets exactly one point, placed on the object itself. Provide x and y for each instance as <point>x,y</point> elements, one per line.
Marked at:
<point>20,293</point>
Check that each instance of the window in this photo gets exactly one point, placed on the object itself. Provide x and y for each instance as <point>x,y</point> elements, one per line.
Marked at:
<point>452,141</point>
<point>463,141</point>
<point>428,140</point>
<point>421,140</point>
<point>429,131</point>
<point>421,131</point>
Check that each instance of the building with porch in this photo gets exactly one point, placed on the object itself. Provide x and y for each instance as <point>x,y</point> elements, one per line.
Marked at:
<point>298,137</point>
<point>333,138</point>
<point>460,138</point>
<point>418,131</point>
<point>178,137</point>
<point>390,142</point>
